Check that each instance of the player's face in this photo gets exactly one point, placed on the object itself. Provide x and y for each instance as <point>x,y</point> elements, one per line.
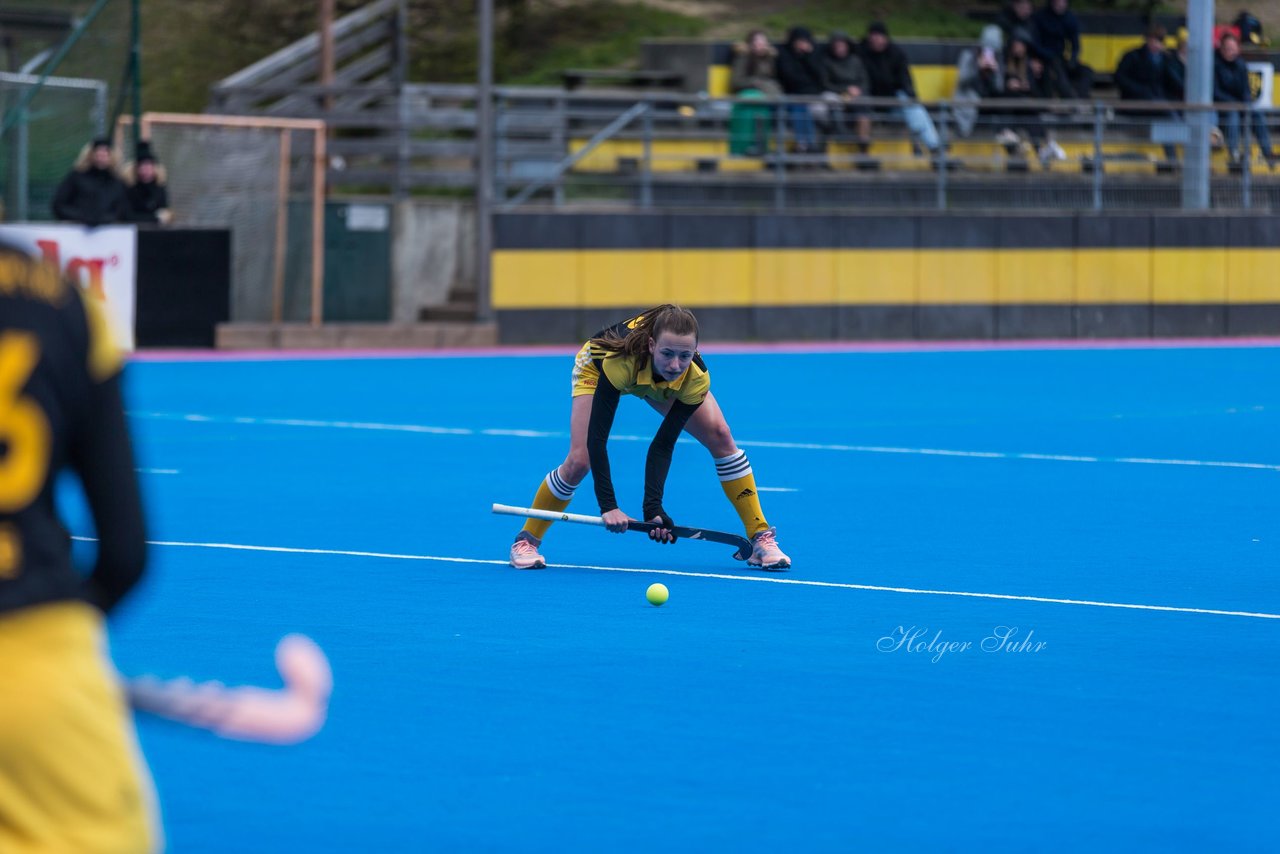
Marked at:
<point>672,354</point>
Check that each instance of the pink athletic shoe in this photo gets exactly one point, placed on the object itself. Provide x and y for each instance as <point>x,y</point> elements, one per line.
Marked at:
<point>765,552</point>
<point>524,552</point>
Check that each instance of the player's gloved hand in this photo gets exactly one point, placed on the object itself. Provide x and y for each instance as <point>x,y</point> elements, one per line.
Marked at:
<point>661,534</point>
<point>615,520</point>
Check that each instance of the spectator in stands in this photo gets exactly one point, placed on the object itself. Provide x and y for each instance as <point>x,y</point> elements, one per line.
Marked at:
<point>845,78</point>
<point>1177,64</point>
<point>92,192</point>
<point>145,182</point>
<point>1016,21</point>
<point>755,66</point>
<point>1025,76</point>
<point>890,77</point>
<point>1231,86</point>
<point>1057,34</point>
<point>1144,74</point>
<point>979,77</point>
<point>800,73</point>
<point>755,76</point>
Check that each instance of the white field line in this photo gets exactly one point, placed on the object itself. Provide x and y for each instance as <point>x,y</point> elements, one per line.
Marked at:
<point>747,443</point>
<point>761,579</point>
<point>157,471</point>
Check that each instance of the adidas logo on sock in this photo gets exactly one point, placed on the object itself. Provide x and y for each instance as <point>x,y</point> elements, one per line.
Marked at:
<point>746,493</point>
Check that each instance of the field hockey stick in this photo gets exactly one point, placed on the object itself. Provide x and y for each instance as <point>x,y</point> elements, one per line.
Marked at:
<point>289,715</point>
<point>742,544</point>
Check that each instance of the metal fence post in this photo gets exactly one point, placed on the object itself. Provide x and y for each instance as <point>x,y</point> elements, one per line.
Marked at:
<point>941,162</point>
<point>646,173</point>
<point>780,158</point>
<point>561,139</point>
<point>1246,160</point>
<point>1099,115</point>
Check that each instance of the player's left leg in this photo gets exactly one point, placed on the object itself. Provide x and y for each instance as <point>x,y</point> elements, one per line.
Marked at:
<point>709,427</point>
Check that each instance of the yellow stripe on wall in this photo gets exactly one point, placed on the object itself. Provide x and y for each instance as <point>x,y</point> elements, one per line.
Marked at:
<point>1252,275</point>
<point>603,278</point>
<point>1189,275</point>
<point>1112,276</point>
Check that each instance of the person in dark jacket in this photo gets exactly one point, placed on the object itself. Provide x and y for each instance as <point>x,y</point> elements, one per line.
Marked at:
<point>1025,76</point>
<point>148,198</point>
<point>92,192</point>
<point>1144,74</point>
<point>1176,58</point>
<point>1057,35</point>
<point>1016,21</point>
<point>800,73</point>
<point>844,77</point>
<point>1231,86</point>
<point>890,77</point>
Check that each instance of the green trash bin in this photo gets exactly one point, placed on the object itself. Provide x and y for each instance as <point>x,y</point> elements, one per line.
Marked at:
<point>749,126</point>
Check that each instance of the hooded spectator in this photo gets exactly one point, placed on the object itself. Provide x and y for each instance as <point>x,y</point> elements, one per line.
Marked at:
<point>1016,21</point>
<point>145,180</point>
<point>1057,34</point>
<point>845,78</point>
<point>800,73</point>
<point>979,77</point>
<point>92,192</point>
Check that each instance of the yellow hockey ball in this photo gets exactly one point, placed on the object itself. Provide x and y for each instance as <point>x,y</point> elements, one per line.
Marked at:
<point>657,594</point>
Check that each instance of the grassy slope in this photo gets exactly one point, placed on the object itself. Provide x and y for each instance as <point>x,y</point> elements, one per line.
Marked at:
<point>189,44</point>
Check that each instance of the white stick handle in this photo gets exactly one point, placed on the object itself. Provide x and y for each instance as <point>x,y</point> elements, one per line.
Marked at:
<point>550,515</point>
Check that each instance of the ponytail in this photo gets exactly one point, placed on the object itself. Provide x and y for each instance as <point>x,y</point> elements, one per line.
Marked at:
<point>650,324</point>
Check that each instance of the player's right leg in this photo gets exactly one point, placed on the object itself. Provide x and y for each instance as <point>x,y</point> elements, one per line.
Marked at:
<point>557,488</point>
<point>71,775</point>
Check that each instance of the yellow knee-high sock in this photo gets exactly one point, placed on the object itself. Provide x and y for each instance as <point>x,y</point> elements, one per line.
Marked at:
<point>553,494</point>
<point>739,485</point>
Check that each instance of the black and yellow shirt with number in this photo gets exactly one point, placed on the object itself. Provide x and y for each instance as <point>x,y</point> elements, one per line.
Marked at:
<point>60,407</point>
<point>626,374</point>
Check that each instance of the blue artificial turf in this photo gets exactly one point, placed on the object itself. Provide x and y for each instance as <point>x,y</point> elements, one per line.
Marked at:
<point>481,708</point>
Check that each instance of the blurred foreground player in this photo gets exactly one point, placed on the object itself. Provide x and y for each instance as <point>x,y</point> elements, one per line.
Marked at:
<point>653,356</point>
<point>71,776</point>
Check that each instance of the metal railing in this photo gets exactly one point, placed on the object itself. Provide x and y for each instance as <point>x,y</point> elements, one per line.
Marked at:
<point>688,152</point>
<point>556,147</point>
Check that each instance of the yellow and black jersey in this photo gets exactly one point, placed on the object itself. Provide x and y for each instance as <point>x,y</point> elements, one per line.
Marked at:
<point>625,374</point>
<point>60,407</point>
<point>634,375</point>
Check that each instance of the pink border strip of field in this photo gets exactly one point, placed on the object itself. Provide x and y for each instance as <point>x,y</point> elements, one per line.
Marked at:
<point>727,347</point>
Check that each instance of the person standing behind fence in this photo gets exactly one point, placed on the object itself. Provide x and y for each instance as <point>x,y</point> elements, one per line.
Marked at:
<point>1231,86</point>
<point>92,192</point>
<point>890,76</point>
<point>1058,33</point>
<point>845,79</point>
<point>148,197</point>
<point>800,73</point>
